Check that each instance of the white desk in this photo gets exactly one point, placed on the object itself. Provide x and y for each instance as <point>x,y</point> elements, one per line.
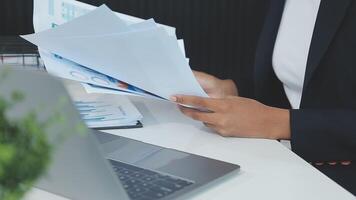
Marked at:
<point>269,170</point>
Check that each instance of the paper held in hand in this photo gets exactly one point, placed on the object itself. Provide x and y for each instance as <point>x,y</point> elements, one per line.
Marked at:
<point>127,55</point>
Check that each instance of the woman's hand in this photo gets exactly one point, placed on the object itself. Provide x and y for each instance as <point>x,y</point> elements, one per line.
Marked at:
<point>214,87</point>
<point>238,117</point>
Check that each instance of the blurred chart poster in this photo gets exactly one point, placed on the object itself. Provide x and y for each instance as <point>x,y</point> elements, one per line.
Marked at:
<point>51,13</point>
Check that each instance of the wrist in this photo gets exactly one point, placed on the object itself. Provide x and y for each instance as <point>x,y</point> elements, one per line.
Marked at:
<point>229,88</point>
<point>279,124</point>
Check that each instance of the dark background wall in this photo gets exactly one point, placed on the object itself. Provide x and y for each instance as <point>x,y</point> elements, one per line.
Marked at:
<point>220,35</point>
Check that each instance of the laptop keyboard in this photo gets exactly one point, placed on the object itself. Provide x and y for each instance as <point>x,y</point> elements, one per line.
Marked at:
<point>143,184</point>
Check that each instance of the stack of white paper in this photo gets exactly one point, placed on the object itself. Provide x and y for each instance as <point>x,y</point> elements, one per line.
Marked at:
<point>111,54</point>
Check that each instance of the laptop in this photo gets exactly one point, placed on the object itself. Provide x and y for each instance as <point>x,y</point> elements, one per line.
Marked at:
<point>95,165</point>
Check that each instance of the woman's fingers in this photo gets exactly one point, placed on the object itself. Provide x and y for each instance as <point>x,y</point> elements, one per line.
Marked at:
<point>205,117</point>
<point>197,102</point>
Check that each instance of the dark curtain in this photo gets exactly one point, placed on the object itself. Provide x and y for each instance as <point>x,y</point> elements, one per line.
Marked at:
<point>220,35</point>
<point>16,17</point>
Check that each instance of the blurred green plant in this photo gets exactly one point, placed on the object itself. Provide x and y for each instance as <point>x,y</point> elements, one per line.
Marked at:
<point>25,152</point>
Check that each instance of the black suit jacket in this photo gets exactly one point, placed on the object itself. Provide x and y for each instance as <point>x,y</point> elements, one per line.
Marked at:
<point>324,128</point>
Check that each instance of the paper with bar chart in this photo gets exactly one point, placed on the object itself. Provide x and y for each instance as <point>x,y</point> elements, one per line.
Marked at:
<point>104,113</point>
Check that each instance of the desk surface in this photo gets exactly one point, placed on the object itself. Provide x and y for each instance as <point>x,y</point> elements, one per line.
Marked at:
<point>269,170</point>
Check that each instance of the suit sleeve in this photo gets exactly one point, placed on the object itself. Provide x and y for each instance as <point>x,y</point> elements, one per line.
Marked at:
<point>324,135</point>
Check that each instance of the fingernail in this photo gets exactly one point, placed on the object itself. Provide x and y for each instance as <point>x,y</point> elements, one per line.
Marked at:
<point>174,99</point>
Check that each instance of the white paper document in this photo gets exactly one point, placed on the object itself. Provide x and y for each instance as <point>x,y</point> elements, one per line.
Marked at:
<point>94,89</point>
<point>66,69</point>
<point>101,49</point>
<point>106,113</point>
